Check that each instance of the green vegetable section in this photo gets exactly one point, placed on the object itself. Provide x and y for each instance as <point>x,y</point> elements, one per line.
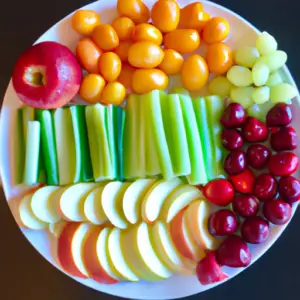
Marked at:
<point>155,135</point>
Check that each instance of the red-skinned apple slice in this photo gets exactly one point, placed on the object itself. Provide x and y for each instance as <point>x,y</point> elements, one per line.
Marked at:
<point>47,75</point>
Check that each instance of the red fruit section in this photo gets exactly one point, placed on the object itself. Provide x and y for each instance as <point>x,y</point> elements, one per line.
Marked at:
<point>283,164</point>
<point>245,205</point>
<point>255,131</point>
<point>223,222</point>
<point>277,212</point>
<point>265,187</point>
<point>243,182</point>
<point>255,230</point>
<point>235,162</point>
<point>289,189</point>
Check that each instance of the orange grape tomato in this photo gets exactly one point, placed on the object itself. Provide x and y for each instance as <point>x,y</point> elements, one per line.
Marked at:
<point>145,55</point>
<point>182,40</point>
<point>113,93</point>
<point>91,87</point>
<point>194,73</point>
<point>124,28</point>
<point>165,15</point>
<point>216,30</point>
<point>147,80</point>
<point>123,49</point>
<point>134,9</point>
<point>172,62</point>
<point>147,32</point>
<point>219,58</point>
<point>88,55</point>
<point>110,66</point>
<point>105,37</point>
<point>125,76</point>
<point>84,21</point>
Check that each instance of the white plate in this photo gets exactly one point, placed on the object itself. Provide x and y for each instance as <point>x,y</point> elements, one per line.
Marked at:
<point>242,33</point>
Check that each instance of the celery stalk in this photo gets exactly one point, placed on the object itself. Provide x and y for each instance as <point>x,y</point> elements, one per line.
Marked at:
<point>19,148</point>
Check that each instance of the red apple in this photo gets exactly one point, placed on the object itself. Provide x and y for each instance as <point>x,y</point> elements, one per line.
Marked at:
<point>47,75</point>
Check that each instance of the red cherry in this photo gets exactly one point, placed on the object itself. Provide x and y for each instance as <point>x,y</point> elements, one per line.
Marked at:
<point>208,270</point>
<point>283,164</point>
<point>289,189</point>
<point>234,116</point>
<point>265,187</point>
<point>255,230</point>
<point>255,131</point>
<point>243,182</point>
<point>258,156</point>
<point>231,139</point>
<point>277,212</point>
<point>219,192</point>
<point>223,222</point>
<point>234,252</point>
<point>279,115</point>
<point>235,162</point>
<point>245,205</point>
<point>284,139</point>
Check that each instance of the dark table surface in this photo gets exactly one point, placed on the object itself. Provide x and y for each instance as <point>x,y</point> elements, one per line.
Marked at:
<point>275,276</point>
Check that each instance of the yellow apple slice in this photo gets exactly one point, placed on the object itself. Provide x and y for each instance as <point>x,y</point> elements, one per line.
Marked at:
<point>181,197</point>
<point>72,201</point>
<point>116,255</point>
<point>156,196</point>
<point>140,255</point>
<point>57,228</point>
<point>28,218</point>
<point>198,214</point>
<point>93,209</point>
<point>167,251</point>
<point>112,199</point>
<point>133,197</point>
<point>44,206</point>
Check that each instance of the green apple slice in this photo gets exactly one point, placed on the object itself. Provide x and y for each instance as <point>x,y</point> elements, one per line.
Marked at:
<point>19,146</point>
<point>83,157</point>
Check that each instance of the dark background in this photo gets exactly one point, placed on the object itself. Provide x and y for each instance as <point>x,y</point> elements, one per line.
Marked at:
<point>275,276</point>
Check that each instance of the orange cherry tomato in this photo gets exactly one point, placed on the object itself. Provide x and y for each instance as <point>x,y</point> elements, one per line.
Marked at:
<point>194,73</point>
<point>88,55</point>
<point>219,58</point>
<point>125,77</point>
<point>110,66</point>
<point>134,9</point>
<point>145,55</point>
<point>84,21</point>
<point>172,62</point>
<point>91,87</point>
<point>182,40</point>
<point>113,93</point>
<point>105,37</point>
<point>192,16</point>
<point>123,49</point>
<point>165,15</point>
<point>145,32</point>
<point>216,30</point>
<point>147,80</point>
<point>124,28</point>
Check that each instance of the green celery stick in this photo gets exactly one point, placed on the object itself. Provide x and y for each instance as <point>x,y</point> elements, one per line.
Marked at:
<point>83,157</point>
<point>198,173</point>
<point>48,145</point>
<point>121,118</point>
<point>19,148</point>
<point>110,131</point>
<point>31,174</point>
<point>28,114</point>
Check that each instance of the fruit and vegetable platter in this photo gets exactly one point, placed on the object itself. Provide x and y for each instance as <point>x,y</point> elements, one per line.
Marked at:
<point>148,149</point>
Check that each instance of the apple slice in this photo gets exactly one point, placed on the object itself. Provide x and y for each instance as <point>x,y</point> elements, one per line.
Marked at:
<point>141,256</point>
<point>44,204</point>
<point>70,249</point>
<point>93,209</point>
<point>112,199</point>
<point>167,251</point>
<point>183,238</point>
<point>117,257</point>
<point>28,219</point>
<point>180,197</point>
<point>57,228</point>
<point>133,197</point>
<point>156,196</point>
<point>198,216</point>
<point>72,201</point>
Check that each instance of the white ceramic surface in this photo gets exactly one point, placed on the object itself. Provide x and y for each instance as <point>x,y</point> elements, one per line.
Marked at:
<point>242,33</point>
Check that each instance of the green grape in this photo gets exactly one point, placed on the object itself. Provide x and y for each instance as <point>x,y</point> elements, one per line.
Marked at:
<point>266,44</point>
<point>274,79</point>
<point>274,61</point>
<point>240,76</point>
<point>259,111</point>
<point>282,92</point>
<point>242,95</point>
<point>261,94</point>
<point>246,56</point>
<point>220,86</point>
<point>260,74</point>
